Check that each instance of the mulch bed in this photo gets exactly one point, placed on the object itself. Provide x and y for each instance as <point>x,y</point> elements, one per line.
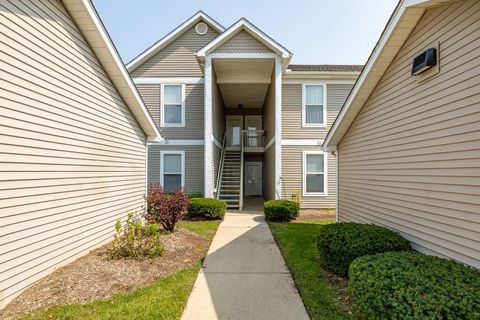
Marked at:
<point>315,214</point>
<point>94,276</point>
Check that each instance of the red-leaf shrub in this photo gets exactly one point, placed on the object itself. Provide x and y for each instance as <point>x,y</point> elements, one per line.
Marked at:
<point>164,207</point>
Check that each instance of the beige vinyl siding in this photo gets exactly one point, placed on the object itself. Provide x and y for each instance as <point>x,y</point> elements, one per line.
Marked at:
<point>150,94</point>
<point>242,42</point>
<point>178,58</point>
<point>269,173</point>
<point>411,159</point>
<point>292,165</point>
<point>292,110</point>
<point>194,164</point>
<point>72,157</point>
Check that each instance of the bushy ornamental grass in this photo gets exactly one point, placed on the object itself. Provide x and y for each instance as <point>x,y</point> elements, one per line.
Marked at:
<point>165,208</point>
<point>340,243</point>
<point>207,208</point>
<point>135,239</point>
<point>409,285</point>
<point>281,210</point>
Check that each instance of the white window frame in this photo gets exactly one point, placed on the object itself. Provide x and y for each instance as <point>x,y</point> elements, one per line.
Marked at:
<point>162,164</point>
<point>304,113</point>
<point>304,174</point>
<point>162,105</point>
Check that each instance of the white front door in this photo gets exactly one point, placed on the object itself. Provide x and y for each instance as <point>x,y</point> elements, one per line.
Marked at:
<point>234,126</point>
<point>253,178</point>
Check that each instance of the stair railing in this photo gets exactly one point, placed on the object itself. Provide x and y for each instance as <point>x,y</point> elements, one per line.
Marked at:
<point>240,201</point>
<point>220,166</point>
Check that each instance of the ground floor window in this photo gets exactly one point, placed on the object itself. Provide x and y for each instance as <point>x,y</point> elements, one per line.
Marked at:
<point>172,170</point>
<point>314,173</point>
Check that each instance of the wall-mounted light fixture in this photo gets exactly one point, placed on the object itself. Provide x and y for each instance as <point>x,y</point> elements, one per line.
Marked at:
<point>424,61</point>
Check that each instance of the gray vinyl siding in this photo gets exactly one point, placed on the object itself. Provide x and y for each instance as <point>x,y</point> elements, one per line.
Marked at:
<point>243,42</point>
<point>150,94</point>
<point>411,159</point>
<point>194,111</point>
<point>218,110</point>
<point>178,59</point>
<point>269,173</point>
<point>194,164</point>
<point>72,156</point>
<point>292,177</point>
<point>292,110</point>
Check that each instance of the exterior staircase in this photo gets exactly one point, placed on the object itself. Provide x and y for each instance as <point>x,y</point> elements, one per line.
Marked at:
<point>230,183</point>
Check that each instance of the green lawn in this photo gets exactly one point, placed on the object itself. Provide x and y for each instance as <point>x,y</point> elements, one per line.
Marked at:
<point>320,294</point>
<point>164,299</point>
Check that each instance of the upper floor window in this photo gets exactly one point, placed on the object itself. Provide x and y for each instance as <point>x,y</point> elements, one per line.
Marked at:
<point>314,173</point>
<point>313,105</point>
<point>173,105</point>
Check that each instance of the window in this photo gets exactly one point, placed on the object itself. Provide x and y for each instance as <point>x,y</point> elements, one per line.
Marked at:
<point>314,173</point>
<point>173,105</point>
<point>172,170</point>
<point>313,106</point>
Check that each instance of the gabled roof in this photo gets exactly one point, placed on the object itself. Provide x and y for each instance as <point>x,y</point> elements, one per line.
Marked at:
<point>89,23</point>
<point>244,24</point>
<point>169,38</point>
<point>324,67</point>
<point>402,22</point>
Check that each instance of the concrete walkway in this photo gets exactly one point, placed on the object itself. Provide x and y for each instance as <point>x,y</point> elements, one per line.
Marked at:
<point>244,275</point>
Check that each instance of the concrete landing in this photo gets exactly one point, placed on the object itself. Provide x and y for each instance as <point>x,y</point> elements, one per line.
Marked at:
<point>244,276</point>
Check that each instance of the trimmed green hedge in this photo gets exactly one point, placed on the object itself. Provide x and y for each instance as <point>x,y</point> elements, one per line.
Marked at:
<point>408,285</point>
<point>341,243</point>
<point>281,210</point>
<point>207,208</point>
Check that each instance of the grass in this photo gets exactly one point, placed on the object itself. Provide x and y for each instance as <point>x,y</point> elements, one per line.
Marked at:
<point>165,299</point>
<point>321,292</point>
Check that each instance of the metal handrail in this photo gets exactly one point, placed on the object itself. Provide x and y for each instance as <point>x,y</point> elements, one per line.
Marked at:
<point>220,166</point>
<point>240,201</point>
<point>257,136</point>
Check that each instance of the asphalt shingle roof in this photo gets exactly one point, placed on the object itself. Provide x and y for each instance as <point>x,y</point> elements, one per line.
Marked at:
<point>326,67</point>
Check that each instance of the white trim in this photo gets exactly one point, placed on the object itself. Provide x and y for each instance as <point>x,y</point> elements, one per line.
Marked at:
<point>302,142</point>
<point>404,19</point>
<point>269,143</point>
<point>174,142</point>
<point>244,55</point>
<point>336,188</point>
<point>85,16</point>
<point>169,38</point>
<point>278,128</point>
<point>207,127</point>
<point>252,30</point>
<point>182,167</point>
<point>166,80</point>
<point>325,175</point>
<point>162,107</point>
<point>216,142</point>
<point>324,106</point>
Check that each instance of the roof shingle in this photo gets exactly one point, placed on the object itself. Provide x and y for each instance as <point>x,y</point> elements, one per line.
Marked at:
<point>326,67</point>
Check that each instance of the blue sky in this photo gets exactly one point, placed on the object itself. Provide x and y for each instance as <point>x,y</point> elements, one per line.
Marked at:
<point>317,32</point>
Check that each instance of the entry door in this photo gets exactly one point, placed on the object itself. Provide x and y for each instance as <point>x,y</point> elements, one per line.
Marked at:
<point>253,178</point>
<point>252,124</point>
<point>234,127</point>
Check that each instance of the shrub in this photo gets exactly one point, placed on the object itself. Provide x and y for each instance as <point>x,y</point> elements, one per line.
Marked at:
<point>194,195</point>
<point>408,285</point>
<point>341,243</point>
<point>136,240</point>
<point>280,210</point>
<point>165,208</point>
<point>207,208</point>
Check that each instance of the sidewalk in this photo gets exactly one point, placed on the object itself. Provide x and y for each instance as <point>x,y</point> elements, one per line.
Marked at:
<point>244,275</point>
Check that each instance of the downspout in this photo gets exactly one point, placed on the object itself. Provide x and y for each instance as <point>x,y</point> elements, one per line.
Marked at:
<point>336,154</point>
